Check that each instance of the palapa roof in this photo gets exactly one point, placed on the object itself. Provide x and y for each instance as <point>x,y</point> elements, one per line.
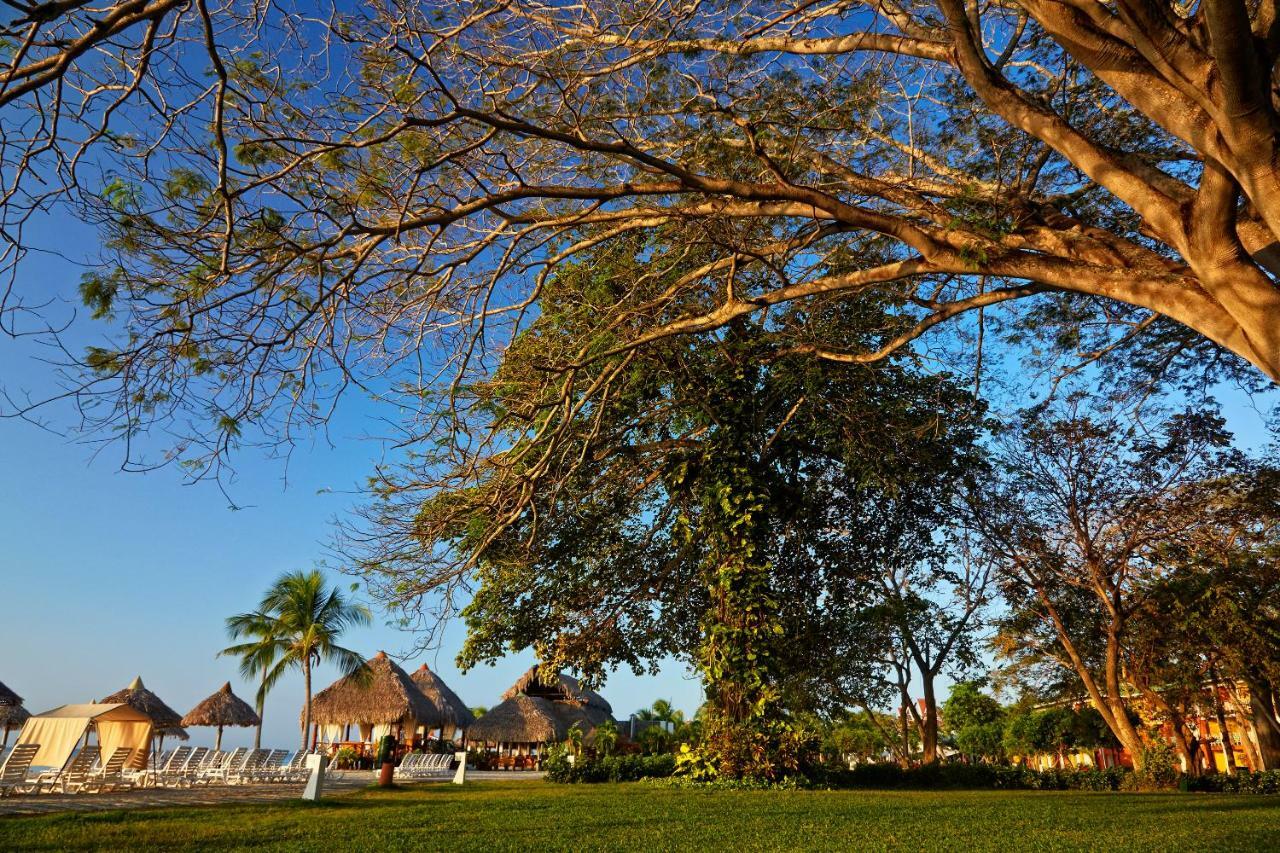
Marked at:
<point>223,708</point>
<point>8,697</point>
<point>452,709</point>
<point>386,695</point>
<point>164,720</point>
<point>561,688</point>
<point>11,711</point>
<point>520,719</point>
<point>525,718</point>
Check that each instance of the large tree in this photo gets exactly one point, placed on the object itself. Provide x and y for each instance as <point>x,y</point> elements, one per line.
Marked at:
<point>709,506</point>
<point>299,202</point>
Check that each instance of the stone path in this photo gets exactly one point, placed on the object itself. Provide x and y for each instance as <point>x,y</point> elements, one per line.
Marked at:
<point>34,804</point>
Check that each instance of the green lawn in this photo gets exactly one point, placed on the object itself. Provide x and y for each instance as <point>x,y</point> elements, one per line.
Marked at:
<point>542,816</point>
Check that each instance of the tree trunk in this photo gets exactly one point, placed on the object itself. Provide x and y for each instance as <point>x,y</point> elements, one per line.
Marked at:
<point>1265,724</point>
<point>1111,704</point>
<point>257,734</point>
<point>1119,721</point>
<point>306,709</point>
<point>929,727</point>
<point>1228,751</point>
<point>1220,711</point>
<point>906,734</point>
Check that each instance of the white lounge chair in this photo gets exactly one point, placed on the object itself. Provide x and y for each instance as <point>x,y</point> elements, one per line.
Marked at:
<point>111,775</point>
<point>13,775</point>
<point>71,776</point>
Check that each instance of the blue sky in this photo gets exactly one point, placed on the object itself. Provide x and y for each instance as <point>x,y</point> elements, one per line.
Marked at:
<point>105,575</point>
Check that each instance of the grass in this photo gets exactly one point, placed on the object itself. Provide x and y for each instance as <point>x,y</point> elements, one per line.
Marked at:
<point>542,816</point>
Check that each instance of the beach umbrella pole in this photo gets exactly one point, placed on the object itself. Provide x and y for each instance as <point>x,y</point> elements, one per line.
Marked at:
<point>217,745</point>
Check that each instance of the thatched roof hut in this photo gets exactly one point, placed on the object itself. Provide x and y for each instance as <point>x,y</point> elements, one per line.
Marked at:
<point>560,688</point>
<point>520,719</point>
<point>8,697</point>
<point>452,709</point>
<point>223,708</point>
<point>165,721</point>
<point>538,710</point>
<point>383,694</point>
<point>12,714</point>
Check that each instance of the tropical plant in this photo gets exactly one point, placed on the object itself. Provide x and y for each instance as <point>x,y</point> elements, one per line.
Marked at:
<point>309,617</point>
<point>606,737</point>
<point>573,740</point>
<point>263,645</point>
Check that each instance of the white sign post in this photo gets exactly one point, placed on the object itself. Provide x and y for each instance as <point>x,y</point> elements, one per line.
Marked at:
<point>460,775</point>
<point>315,782</point>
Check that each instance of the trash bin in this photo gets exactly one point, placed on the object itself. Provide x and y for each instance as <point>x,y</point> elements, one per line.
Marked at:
<point>386,760</point>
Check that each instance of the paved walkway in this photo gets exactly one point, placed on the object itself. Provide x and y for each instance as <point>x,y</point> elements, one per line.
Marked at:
<point>34,804</point>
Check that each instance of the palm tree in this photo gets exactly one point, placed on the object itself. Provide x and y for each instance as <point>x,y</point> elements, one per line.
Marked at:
<point>309,619</point>
<point>574,739</point>
<point>606,737</point>
<point>264,645</point>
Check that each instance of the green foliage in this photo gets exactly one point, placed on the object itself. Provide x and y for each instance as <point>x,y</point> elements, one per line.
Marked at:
<point>606,737</point>
<point>696,764</point>
<point>859,736</point>
<point>1159,764</point>
<point>297,625</point>
<point>1244,782</point>
<point>610,768</point>
<point>978,776</point>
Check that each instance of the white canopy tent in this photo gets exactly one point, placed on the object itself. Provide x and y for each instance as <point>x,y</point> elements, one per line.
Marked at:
<point>60,730</point>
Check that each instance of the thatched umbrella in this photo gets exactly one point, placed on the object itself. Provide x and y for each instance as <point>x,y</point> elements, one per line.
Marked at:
<point>380,694</point>
<point>453,710</point>
<point>223,708</point>
<point>165,722</point>
<point>558,688</point>
<point>520,719</point>
<point>12,714</point>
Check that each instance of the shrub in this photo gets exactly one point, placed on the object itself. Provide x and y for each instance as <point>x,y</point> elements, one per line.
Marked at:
<point>976,776</point>
<point>1159,766</point>
<point>1244,782</point>
<point>611,768</point>
<point>346,758</point>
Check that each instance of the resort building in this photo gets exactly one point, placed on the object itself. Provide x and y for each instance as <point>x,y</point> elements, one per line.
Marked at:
<point>358,710</point>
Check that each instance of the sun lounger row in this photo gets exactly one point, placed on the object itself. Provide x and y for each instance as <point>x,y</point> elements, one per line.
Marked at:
<point>180,768</point>
<point>424,766</point>
<point>85,772</point>
<point>186,766</point>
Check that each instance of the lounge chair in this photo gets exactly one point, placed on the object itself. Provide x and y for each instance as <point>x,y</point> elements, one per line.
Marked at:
<point>408,768</point>
<point>173,771</point>
<point>221,768</point>
<point>71,776</point>
<point>296,770</point>
<point>111,775</point>
<point>244,774</point>
<point>13,775</point>
<point>276,767</point>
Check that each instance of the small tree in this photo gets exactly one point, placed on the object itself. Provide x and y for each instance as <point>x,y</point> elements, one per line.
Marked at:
<point>264,645</point>
<point>975,721</point>
<point>309,619</point>
<point>606,737</point>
